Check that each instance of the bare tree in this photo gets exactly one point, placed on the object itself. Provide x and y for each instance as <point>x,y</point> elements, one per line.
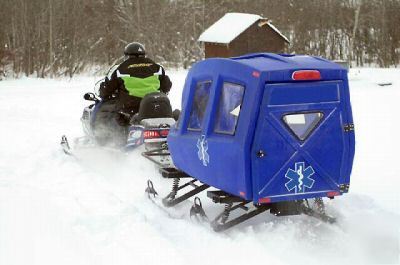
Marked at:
<point>62,37</point>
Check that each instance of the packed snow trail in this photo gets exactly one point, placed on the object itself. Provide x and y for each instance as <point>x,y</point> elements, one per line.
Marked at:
<point>55,209</point>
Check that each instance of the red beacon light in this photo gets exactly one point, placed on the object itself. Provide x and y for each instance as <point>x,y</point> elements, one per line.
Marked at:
<point>303,75</point>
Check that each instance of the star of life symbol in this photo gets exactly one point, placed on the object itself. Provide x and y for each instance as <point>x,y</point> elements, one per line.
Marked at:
<point>299,178</point>
<point>202,145</point>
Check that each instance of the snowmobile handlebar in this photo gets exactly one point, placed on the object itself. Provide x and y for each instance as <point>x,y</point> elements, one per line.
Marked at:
<point>91,97</point>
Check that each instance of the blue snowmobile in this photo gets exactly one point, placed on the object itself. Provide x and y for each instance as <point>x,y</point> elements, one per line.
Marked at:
<point>150,126</point>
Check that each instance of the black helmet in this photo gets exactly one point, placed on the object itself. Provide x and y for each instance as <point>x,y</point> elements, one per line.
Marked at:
<point>134,49</point>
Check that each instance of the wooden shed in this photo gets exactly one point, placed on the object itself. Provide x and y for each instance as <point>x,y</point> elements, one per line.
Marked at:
<point>237,34</point>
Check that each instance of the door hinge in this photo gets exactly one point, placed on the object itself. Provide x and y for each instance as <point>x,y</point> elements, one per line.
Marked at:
<point>348,127</point>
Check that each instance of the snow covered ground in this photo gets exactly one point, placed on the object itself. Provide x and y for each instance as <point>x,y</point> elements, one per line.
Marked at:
<point>57,210</point>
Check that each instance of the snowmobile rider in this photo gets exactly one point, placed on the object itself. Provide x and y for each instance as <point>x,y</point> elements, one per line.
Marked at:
<point>136,77</point>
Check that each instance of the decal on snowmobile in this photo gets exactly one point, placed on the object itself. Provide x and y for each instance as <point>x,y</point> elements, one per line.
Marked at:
<point>299,178</point>
<point>135,136</point>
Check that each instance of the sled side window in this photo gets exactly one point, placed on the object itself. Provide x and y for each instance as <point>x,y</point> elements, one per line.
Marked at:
<point>199,105</point>
<point>229,106</point>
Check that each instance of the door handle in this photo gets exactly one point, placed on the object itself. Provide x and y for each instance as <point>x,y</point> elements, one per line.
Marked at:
<point>261,153</point>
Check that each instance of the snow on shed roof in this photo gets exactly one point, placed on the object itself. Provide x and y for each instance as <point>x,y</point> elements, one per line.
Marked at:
<point>231,25</point>
<point>228,27</point>
<point>277,31</point>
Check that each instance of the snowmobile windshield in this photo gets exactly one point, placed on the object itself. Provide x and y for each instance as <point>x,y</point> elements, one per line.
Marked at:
<point>111,70</point>
<point>96,88</point>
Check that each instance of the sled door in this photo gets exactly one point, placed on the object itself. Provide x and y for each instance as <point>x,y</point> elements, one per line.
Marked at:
<point>301,144</point>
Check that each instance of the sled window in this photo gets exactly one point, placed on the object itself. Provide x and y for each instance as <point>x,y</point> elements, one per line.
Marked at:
<point>302,124</point>
<point>199,105</point>
<point>229,108</point>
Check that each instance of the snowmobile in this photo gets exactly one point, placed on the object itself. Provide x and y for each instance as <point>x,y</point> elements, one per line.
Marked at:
<point>265,132</point>
<point>150,126</point>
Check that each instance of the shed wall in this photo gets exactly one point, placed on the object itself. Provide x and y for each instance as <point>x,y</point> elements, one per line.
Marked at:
<point>216,50</point>
<point>257,39</point>
<point>253,40</point>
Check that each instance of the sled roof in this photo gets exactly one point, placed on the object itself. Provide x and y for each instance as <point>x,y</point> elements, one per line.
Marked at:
<point>270,67</point>
<point>266,62</point>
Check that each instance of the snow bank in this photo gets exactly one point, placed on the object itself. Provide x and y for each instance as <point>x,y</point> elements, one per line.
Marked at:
<point>57,210</point>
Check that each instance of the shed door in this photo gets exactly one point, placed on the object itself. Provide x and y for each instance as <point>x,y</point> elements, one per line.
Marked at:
<point>300,147</point>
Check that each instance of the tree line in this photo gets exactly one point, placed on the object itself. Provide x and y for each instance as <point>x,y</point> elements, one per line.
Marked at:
<point>64,37</point>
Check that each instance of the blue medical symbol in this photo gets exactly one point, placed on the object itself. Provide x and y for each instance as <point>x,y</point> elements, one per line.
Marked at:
<point>299,178</point>
<point>202,145</point>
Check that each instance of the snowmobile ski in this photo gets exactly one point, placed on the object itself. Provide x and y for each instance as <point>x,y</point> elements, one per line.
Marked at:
<point>82,143</point>
<point>65,145</point>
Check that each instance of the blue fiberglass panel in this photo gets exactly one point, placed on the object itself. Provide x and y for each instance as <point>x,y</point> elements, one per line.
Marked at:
<point>212,155</point>
<point>293,169</point>
<point>229,162</point>
<point>283,94</point>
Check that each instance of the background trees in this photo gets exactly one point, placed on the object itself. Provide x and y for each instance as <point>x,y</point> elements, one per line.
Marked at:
<point>62,37</point>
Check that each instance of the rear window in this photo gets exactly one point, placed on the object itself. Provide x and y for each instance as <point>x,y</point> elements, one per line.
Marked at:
<point>302,124</point>
<point>229,108</point>
<point>199,105</point>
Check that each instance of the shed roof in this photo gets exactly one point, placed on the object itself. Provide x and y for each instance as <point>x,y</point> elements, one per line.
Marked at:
<point>230,26</point>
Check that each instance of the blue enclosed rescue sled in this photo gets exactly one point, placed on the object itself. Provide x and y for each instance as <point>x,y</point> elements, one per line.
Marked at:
<point>274,130</point>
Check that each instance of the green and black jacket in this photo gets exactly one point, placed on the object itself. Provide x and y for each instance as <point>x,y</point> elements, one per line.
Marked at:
<point>132,80</point>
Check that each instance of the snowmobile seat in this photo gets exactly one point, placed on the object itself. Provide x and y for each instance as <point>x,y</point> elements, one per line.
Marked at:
<point>153,105</point>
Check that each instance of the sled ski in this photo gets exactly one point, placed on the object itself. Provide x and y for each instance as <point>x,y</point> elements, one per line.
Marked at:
<point>153,197</point>
<point>172,198</point>
<point>233,204</point>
